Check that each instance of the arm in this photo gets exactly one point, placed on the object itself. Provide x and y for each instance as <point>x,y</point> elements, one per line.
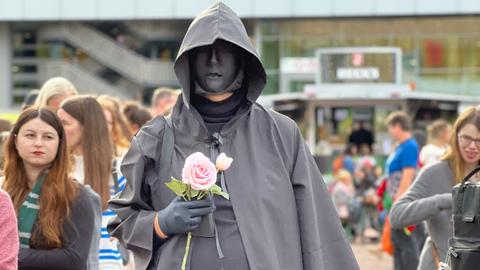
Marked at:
<point>419,203</point>
<point>322,238</point>
<point>134,224</point>
<point>76,244</point>
<point>8,233</point>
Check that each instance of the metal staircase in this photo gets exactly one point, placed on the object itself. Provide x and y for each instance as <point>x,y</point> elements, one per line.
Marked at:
<point>135,67</point>
<point>85,81</point>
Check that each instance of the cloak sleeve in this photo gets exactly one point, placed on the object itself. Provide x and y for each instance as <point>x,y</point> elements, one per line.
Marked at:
<point>322,238</point>
<point>133,225</point>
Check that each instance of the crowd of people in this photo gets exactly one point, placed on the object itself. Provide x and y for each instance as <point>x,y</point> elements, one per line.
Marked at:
<point>63,155</point>
<point>67,205</point>
<point>83,177</point>
<point>407,201</point>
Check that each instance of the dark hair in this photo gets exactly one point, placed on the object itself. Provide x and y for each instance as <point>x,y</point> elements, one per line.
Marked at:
<point>136,114</point>
<point>349,149</point>
<point>399,118</point>
<point>58,191</point>
<point>30,98</point>
<point>5,125</point>
<point>96,143</point>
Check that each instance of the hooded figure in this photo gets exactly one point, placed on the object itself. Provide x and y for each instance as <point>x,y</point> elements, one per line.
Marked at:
<point>279,215</point>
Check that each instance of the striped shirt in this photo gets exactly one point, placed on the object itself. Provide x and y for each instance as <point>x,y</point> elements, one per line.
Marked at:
<point>109,254</point>
<point>109,257</point>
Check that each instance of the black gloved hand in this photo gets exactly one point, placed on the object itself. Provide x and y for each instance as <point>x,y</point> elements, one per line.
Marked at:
<point>181,217</point>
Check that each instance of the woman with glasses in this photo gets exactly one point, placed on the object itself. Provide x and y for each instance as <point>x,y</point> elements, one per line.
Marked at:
<point>429,198</point>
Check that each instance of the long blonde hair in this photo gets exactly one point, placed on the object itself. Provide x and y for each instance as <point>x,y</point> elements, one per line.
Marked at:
<point>471,115</point>
<point>56,86</point>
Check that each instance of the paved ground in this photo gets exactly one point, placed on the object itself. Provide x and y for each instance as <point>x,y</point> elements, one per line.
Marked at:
<point>365,257</point>
<point>368,260</point>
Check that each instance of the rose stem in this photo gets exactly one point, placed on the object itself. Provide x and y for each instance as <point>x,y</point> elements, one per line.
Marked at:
<point>187,250</point>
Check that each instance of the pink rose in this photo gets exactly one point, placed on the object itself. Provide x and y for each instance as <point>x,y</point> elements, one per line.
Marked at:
<point>223,162</point>
<point>199,172</point>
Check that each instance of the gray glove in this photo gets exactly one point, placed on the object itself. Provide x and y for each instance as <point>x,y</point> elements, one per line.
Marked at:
<point>181,217</point>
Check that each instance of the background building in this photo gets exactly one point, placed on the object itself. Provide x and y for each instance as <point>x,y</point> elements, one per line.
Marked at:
<point>127,47</point>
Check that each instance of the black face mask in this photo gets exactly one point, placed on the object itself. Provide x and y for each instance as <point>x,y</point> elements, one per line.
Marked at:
<point>216,68</point>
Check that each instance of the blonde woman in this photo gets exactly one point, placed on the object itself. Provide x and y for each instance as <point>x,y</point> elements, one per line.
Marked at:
<point>429,198</point>
<point>439,133</point>
<point>54,91</point>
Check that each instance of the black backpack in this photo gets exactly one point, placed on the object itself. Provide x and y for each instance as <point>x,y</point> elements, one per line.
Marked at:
<point>464,246</point>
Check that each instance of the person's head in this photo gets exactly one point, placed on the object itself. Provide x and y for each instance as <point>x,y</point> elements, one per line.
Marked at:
<point>439,132</point>
<point>136,115</point>
<point>365,149</point>
<point>351,149</point>
<point>86,130</point>
<point>360,175</point>
<point>345,177</point>
<point>378,171</point>
<point>163,100</point>
<point>37,143</point>
<point>464,150</point>
<point>30,98</point>
<point>215,68</point>
<point>54,91</point>
<point>5,125</point>
<point>210,56</point>
<point>398,124</point>
<point>117,125</point>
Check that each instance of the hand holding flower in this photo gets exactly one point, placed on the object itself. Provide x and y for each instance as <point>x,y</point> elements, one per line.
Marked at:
<point>199,176</point>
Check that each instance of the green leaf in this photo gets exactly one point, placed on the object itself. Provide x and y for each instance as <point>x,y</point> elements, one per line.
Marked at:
<point>177,186</point>
<point>194,193</point>
<point>215,189</point>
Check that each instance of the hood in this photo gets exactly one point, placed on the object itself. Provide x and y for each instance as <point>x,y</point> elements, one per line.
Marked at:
<point>219,22</point>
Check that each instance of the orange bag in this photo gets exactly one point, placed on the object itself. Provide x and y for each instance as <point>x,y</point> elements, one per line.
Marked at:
<point>387,244</point>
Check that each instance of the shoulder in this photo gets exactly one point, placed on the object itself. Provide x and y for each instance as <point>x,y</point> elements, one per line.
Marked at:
<point>283,122</point>
<point>435,171</point>
<point>86,197</point>
<point>409,146</point>
<point>411,143</point>
<point>148,137</point>
<point>153,127</point>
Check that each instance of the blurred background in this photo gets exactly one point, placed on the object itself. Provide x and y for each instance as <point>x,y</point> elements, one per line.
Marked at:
<point>334,66</point>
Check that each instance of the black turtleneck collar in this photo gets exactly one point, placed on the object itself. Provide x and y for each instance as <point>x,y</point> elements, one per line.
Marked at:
<point>217,114</point>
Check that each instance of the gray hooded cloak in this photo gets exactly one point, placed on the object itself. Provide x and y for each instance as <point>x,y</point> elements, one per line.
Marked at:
<point>284,215</point>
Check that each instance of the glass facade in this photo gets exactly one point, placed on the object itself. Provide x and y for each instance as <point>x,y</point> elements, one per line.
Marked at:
<point>440,54</point>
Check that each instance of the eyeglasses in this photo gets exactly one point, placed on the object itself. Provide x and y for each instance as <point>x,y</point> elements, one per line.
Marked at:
<point>465,140</point>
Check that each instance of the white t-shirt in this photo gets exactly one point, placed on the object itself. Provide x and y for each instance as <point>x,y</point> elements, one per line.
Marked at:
<point>78,171</point>
<point>431,153</point>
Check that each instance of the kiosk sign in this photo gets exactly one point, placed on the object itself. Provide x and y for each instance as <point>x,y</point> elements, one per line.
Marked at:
<point>359,65</point>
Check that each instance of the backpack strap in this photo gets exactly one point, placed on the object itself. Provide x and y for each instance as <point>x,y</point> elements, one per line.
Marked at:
<point>166,151</point>
<point>116,186</point>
